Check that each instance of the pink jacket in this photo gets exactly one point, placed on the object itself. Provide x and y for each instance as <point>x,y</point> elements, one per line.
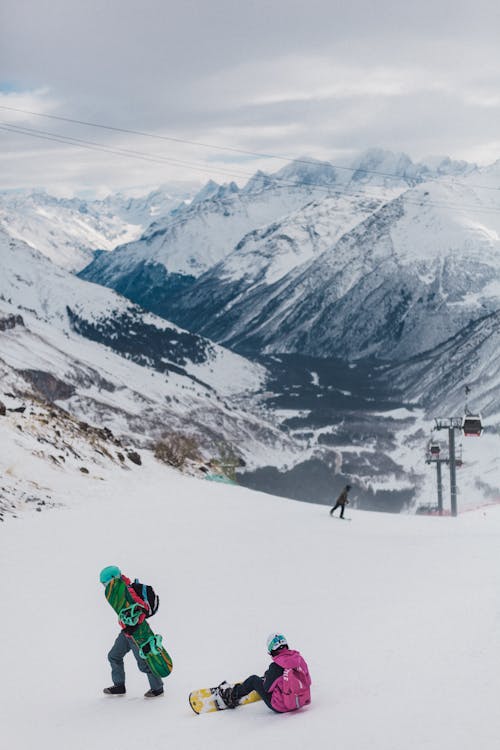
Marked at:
<point>287,659</point>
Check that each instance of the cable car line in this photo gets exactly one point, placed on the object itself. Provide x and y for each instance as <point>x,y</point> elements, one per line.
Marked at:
<point>232,149</point>
<point>283,182</point>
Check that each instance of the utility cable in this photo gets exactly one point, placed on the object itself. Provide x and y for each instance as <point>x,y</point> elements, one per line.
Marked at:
<point>282,182</point>
<point>231,149</point>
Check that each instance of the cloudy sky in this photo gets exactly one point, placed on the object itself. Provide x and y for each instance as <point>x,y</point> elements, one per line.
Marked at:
<point>322,78</point>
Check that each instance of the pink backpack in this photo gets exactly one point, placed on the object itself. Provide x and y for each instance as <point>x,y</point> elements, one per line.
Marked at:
<point>291,690</point>
<point>295,688</point>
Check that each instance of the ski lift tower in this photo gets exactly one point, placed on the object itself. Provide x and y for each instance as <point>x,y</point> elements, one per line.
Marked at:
<point>433,456</point>
<point>451,424</point>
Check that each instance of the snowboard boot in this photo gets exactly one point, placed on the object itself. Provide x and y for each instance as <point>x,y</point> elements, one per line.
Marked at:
<point>115,690</point>
<point>153,693</point>
<point>228,693</point>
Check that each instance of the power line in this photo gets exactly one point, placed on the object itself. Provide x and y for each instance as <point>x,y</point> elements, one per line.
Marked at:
<point>282,182</point>
<point>92,145</point>
<point>231,149</point>
<point>172,139</point>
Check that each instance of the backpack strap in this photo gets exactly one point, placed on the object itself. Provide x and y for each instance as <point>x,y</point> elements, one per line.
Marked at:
<point>145,596</point>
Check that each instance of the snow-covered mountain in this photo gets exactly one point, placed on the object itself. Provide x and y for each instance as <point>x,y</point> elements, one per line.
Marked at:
<point>107,361</point>
<point>333,239</point>
<point>390,280</point>
<point>173,252</point>
<point>357,270</point>
<point>378,166</point>
<point>437,378</point>
<point>69,230</point>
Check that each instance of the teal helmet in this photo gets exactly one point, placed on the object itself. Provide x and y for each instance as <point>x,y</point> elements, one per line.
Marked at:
<point>276,641</point>
<point>109,572</point>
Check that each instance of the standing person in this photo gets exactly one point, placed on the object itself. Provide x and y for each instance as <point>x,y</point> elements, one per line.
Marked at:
<point>285,685</point>
<point>341,501</point>
<point>124,643</point>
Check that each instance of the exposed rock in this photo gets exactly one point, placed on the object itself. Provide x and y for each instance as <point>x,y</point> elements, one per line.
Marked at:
<point>105,433</point>
<point>84,470</point>
<point>48,385</point>
<point>11,321</point>
<point>134,457</point>
<point>3,410</point>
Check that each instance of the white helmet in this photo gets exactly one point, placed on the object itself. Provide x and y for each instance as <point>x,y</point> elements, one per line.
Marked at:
<point>276,641</point>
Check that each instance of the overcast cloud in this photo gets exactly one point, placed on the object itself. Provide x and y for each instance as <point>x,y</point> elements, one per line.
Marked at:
<point>319,78</point>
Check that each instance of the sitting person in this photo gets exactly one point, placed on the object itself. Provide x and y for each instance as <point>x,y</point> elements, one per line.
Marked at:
<point>285,685</point>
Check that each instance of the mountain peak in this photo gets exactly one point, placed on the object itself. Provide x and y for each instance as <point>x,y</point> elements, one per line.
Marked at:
<point>258,182</point>
<point>385,163</point>
<point>307,170</point>
<point>207,191</point>
<point>445,166</point>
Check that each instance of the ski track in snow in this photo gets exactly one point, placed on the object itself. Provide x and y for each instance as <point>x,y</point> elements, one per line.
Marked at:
<point>396,615</point>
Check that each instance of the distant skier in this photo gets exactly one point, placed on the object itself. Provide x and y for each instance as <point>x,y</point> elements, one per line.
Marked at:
<point>341,501</point>
<point>285,685</point>
<point>123,644</point>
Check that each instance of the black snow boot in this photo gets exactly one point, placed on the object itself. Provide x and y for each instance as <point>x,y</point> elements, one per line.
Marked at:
<point>153,693</point>
<point>228,695</point>
<point>115,690</point>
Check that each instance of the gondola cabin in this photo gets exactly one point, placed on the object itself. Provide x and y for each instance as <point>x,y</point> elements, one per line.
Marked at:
<point>472,425</point>
<point>434,449</point>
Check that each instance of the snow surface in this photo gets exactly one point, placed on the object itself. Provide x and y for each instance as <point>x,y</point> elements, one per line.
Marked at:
<point>141,402</point>
<point>138,401</point>
<point>68,231</point>
<point>396,615</point>
<point>34,285</point>
<point>392,282</point>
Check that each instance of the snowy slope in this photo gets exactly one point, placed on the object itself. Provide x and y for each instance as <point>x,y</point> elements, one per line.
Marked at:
<point>396,616</point>
<point>125,368</point>
<point>472,357</point>
<point>200,235</point>
<point>402,280</point>
<point>266,255</point>
<point>33,284</point>
<point>197,236</point>
<point>68,231</point>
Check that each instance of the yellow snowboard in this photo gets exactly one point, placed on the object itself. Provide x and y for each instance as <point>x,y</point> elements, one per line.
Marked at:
<point>208,699</point>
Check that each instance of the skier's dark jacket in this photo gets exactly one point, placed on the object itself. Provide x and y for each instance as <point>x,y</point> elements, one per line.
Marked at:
<point>342,498</point>
<point>271,674</point>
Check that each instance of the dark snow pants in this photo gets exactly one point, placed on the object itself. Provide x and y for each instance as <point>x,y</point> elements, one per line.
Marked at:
<point>338,505</point>
<point>254,682</point>
<point>120,648</point>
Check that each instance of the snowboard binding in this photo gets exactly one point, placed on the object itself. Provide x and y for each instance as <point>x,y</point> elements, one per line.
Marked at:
<point>131,615</point>
<point>151,647</point>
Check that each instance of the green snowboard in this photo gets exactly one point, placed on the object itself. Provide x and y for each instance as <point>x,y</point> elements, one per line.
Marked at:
<point>149,644</point>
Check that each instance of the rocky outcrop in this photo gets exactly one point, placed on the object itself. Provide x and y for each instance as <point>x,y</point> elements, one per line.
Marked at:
<point>10,321</point>
<point>47,385</point>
